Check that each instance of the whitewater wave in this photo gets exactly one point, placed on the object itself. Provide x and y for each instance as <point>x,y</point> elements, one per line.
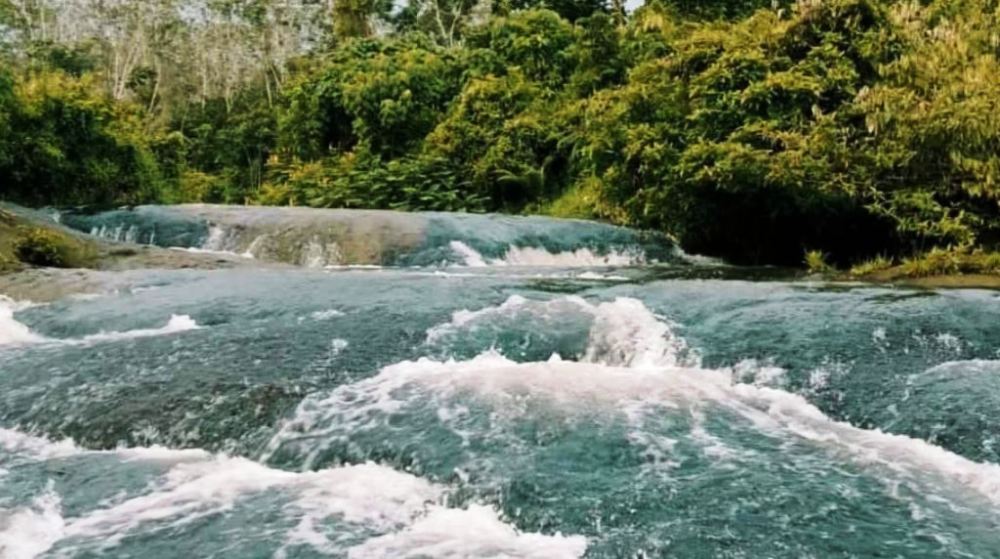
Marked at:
<point>539,257</point>
<point>14,333</point>
<point>177,323</point>
<point>634,365</point>
<point>36,448</point>
<point>404,512</point>
<point>966,367</point>
<point>619,332</point>
<point>502,383</point>
<point>28,532</point>
<point>32,447</point>
<point>473,532</point>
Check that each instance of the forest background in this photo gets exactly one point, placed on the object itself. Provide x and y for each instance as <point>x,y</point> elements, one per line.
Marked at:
<point>854,132</point>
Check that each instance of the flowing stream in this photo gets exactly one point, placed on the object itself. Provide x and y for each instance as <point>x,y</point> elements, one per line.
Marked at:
<point>429,385</point>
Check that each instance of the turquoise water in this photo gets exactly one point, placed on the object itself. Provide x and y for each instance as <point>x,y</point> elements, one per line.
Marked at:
<point>491,409</point>
<point>317,239</point>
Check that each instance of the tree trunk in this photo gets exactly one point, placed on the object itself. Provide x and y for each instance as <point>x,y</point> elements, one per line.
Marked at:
<point>618,12</point>
<point>350,18</point>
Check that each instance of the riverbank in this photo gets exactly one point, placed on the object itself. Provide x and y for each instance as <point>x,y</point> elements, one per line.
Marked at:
<point>936,268</point>
<point>40,260</point>
<point>43,259</point>
<point>949,281</point>
<point>30,239</point>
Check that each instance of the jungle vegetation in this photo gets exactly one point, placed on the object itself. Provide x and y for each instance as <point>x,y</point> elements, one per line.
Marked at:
<point>857,131</point>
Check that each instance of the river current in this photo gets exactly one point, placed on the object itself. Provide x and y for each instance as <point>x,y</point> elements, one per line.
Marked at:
<point>444,386</point>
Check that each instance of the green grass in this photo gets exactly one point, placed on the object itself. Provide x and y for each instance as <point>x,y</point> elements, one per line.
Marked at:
<point>816,263</point>
<point>578,202</point>
<point>934,263</point>
<point>871,266</point>
<point>940,262</point>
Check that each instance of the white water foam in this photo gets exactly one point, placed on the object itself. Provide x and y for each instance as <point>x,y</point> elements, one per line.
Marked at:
<point>29,532</point>
<point>318,254</point>
<point>400,508</point>
<point>971,366</point>
<point>217,243</point>
<point>337,346</point>
<point>14,333</point>
<point>38,448</point>
<point>632,365</point>
<point>525,273</point>
<point>177,323</point>
<point>600,277</point>
<point>368,494</point>
<point>626,333</point>
<point>117,233</point>
<point>197,250</point>
<point>254,248</point>
<point>375,495</point>
<point>583,386</point>
<point>354,267</point>
<point>621,332</point>
<point>326,315</point>
<point>216,240</point>
<point>312,253</point>
<point>539,257</point>
<point>698,259</point>
<point>759,373</point>
<point>474,532</point>
<point>469,255</point>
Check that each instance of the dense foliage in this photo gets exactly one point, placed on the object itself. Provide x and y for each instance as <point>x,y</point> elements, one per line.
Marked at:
<point>750,129</point>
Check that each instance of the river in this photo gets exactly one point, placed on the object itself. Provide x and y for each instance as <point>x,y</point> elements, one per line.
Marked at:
<point>374,385</point>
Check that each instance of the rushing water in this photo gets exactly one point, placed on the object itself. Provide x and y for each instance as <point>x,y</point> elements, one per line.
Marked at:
<point>588,404</point>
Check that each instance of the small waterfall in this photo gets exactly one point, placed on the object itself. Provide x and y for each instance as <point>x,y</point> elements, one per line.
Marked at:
<point>539,257</point>
<point>144,225</point>
<point>317,238</point>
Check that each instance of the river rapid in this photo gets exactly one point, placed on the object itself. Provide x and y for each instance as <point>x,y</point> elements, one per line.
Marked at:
<point>379,385</point>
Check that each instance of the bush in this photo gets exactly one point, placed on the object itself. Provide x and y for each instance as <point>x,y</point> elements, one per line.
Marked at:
<point>196,186</point>
<point>44,247</point>
<point>874,265</point>
<point>938,262</point>
<point>73,145</point>
<point>7,263</point>
<point>816,262</point>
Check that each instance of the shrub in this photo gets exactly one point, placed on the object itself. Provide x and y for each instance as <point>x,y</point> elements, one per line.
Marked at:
<point>44,247</point>
<point>871,266</point>
<point>7,262</point>
<point>816,262</point>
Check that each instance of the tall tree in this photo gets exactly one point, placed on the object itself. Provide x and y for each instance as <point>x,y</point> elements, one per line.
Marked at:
<point>352,18</point>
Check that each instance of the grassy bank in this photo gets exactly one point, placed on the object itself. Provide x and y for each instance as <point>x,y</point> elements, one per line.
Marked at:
<point>32,242</point>
<point>935,268</point>
<point>28,242</point>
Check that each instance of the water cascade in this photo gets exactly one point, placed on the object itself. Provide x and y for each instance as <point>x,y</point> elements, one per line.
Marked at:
<point>454,386</point>
<point>318,238</point>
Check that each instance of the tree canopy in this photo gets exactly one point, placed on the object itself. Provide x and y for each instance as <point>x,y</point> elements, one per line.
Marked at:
<point>752,129</point>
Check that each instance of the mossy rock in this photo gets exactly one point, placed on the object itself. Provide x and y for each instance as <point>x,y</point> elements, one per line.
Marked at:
<point>8,263</point>
<point>38,246</point>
